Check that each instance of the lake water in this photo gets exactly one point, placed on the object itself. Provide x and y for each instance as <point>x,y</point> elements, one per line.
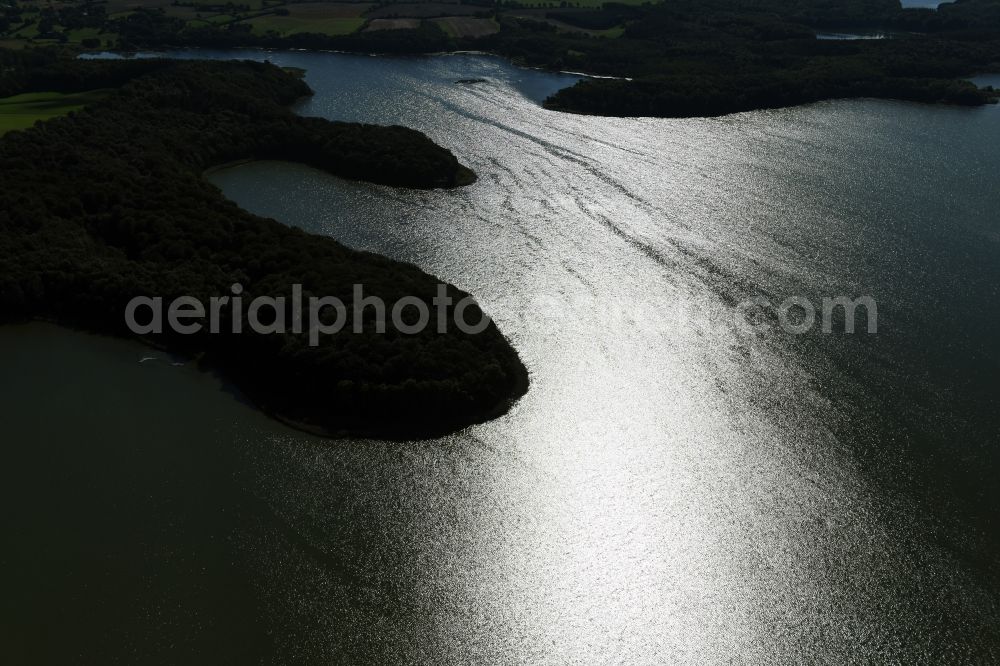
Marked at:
<point>673,488</point>
<point>841,36</point>
<point>983,80</point>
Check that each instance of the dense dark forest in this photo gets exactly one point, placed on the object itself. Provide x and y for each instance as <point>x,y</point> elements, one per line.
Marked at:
<point>690,57</point>
<point>687,58</point>
<point>109,203</point>
<point>43,70</point>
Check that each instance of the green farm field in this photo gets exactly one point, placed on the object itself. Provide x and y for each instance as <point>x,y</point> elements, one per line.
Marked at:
<point>290,25</point>
<point>581,4</point>
<point>22,111</point>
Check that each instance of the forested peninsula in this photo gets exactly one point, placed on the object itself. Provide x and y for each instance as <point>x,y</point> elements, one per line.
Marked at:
<point>696,58</point>
<point>109,203</point>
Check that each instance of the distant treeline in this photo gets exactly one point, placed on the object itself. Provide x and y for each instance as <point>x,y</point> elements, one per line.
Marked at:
<point>43,70</point>
<point>691,57</point>
<point>109,203</point>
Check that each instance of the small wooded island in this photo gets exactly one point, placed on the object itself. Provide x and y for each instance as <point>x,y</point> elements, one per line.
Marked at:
<point>109,203</point>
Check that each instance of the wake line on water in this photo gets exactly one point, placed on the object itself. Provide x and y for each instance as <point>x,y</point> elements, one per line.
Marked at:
<point>730,288</point>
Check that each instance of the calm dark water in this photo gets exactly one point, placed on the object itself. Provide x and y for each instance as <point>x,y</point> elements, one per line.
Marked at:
<point>852,35</point>
<point>673,488</point>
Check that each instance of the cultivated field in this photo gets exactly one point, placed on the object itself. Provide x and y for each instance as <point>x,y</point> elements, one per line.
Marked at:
<point>327,18</point>
<point>116,6</point>
<point>582,4</point>
<point>424,10</point>
<point>467,26</point>
<point>290,25</point>
<point>325,10</point>
<point>393,24</point>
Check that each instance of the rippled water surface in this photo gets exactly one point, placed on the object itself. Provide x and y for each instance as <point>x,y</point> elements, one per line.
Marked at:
<point>674,487</point>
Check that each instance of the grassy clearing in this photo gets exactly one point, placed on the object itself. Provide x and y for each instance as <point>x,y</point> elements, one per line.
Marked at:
<point>290,25</point>
<point>29,31</point>
<point>220,19</point>
<point>77,36</point>
<point>23,111</point>
<point>613,33</point>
